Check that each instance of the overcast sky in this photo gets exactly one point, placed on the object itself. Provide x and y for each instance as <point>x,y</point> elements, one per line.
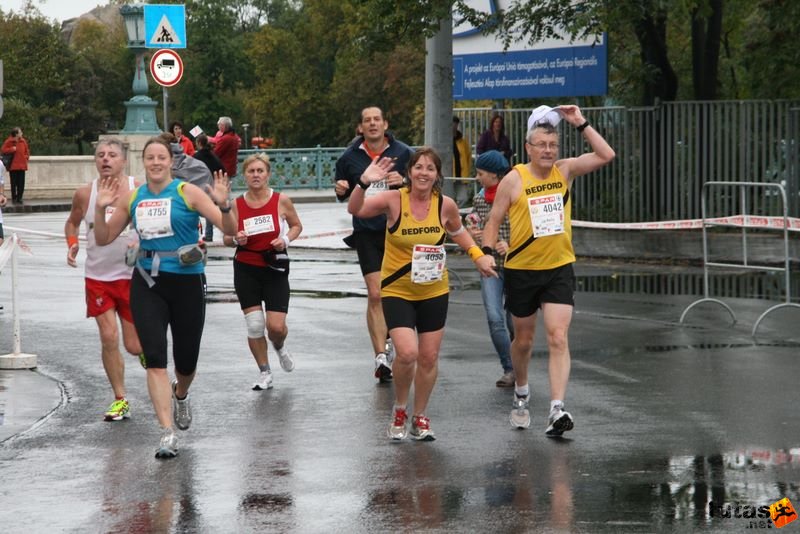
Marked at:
<point>60,10</point>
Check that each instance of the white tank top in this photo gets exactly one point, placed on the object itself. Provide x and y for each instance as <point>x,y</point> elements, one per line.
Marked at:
<point>107,263</point>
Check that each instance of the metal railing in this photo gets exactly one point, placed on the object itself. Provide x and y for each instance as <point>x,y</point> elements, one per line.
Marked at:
<point>744,209</point>
<point>296,168</point>
<point>665,154</point>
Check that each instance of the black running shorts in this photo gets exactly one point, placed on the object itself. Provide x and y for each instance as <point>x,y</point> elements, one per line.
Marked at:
<point>426,315</point>
<point>526,290</point>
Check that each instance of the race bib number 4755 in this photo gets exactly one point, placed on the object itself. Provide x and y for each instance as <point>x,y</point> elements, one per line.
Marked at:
<point>153,218</point>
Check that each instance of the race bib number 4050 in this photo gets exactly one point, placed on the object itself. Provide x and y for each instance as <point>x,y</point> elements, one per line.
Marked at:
<point>427,263</point>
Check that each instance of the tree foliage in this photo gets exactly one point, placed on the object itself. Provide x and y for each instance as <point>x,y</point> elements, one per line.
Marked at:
<point>301,70</point>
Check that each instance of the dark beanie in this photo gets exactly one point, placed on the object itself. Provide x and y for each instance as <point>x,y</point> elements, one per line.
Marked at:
<point>492,161</point>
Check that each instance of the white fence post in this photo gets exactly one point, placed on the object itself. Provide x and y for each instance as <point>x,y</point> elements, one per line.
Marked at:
<point>17,359</point>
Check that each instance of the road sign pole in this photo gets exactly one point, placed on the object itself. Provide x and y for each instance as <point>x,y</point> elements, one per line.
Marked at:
<point>166,98</point>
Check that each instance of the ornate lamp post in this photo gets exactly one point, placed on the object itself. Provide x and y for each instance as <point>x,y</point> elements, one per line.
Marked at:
<point>140,117</point>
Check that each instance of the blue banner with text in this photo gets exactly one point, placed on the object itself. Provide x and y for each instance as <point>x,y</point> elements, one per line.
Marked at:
<point>555,72</point>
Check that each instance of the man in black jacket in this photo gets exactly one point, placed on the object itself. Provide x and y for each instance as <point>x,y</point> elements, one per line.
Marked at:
<point>369,234</point>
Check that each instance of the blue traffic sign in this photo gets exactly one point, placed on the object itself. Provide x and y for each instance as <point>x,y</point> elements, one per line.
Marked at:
<point>165,26</point>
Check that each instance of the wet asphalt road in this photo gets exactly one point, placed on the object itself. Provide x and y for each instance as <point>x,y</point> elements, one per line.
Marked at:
<point>667,418</point>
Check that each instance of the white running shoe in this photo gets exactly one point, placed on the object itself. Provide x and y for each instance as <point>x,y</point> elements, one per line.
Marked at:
<point>559,421</point>
<point>168,445</point>
<point>389,351</point>
<point>397,430</point>
<point>520,416</point>
<point>287,364</point>
<point>383,369</point>
<point>181,409</point>
<point>264,382</point>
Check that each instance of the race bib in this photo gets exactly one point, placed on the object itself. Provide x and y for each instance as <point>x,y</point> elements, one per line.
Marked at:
<point>547,215</point>
<point>260,224</point>
<point>153,218</point>
<point>427,263</point>
<point>377,187</point>
<point>109,213</point>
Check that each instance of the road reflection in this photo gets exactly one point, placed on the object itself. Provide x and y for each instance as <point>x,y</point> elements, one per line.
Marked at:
<point>416,492</point>
<point>171,507</point>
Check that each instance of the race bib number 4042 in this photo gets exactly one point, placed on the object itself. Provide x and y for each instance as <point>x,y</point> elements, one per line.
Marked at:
<point>547,214</point>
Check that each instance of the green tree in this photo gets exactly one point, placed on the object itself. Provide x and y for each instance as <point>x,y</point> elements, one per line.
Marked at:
<point>770,60</point>
<point>99,81</point>
<point>36,67</point>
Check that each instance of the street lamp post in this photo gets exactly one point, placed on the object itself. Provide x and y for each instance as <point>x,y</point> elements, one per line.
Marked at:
<point>246,142</point>
<point>140,117</point>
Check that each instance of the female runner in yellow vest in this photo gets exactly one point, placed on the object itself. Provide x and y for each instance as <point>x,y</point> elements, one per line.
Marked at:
<point>414,289</point>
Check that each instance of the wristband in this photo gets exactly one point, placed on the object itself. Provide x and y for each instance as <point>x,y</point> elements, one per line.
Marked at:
<point>362,184</point>
<point>286,241</point>
<point>72,240</point>
<point>487,250</point>
<point>474,252</point>
<point>583,126</point>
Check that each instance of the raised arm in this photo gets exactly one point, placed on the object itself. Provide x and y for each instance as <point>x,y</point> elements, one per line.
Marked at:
<point>601,154</point>
<point>363,207</point>
<point>107,195</point>
<point>214,203</point>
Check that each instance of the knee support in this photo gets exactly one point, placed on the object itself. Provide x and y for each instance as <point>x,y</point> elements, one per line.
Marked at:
<point>255,324</point>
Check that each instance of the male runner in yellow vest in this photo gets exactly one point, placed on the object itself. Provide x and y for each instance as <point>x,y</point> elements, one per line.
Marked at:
<point>538,265</point>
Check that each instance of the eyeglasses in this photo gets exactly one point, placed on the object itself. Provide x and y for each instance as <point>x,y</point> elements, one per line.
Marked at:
<point>544,146</point>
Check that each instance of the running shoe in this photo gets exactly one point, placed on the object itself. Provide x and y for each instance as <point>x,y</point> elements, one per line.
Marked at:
<point>505,381</point>
<point>287,364</point>
<point>389,351</point>
<point>397,430</point>
<point>560,421</point>
<point>168,445</point>
<point>264,382</point>
<point>142,361</point>
<point>119,410</point>
<point>520,416</point>
<point>181,410</point>
<point>383,369</point>
<point>421,428</point>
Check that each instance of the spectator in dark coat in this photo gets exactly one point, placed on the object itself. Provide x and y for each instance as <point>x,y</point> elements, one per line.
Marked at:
<point>495,138</point>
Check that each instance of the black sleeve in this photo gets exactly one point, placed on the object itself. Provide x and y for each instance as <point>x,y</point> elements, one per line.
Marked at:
<point>342,174</point>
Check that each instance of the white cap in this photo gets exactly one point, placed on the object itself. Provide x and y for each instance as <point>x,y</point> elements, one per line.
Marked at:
<point>544,114</point>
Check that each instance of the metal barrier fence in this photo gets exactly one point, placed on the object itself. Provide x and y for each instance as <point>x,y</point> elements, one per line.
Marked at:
<point>664,156</point>
<point>722,190</point>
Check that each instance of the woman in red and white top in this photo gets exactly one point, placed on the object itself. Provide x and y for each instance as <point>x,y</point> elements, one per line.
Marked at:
<point>268,222</point>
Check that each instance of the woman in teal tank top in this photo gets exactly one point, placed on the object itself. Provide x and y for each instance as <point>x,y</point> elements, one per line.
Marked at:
<point>165,213</point>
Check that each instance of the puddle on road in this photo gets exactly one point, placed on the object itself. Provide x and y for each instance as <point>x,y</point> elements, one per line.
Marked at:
<point>716,346</point>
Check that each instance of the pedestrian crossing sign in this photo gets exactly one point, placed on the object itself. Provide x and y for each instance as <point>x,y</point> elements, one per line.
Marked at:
<point>165,26</point>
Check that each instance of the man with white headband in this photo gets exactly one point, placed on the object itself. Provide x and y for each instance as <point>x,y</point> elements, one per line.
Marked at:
<point>538,264</point>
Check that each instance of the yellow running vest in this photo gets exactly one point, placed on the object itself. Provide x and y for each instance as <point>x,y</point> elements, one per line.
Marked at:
<point>401,239</point>
<point>547,203</point>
